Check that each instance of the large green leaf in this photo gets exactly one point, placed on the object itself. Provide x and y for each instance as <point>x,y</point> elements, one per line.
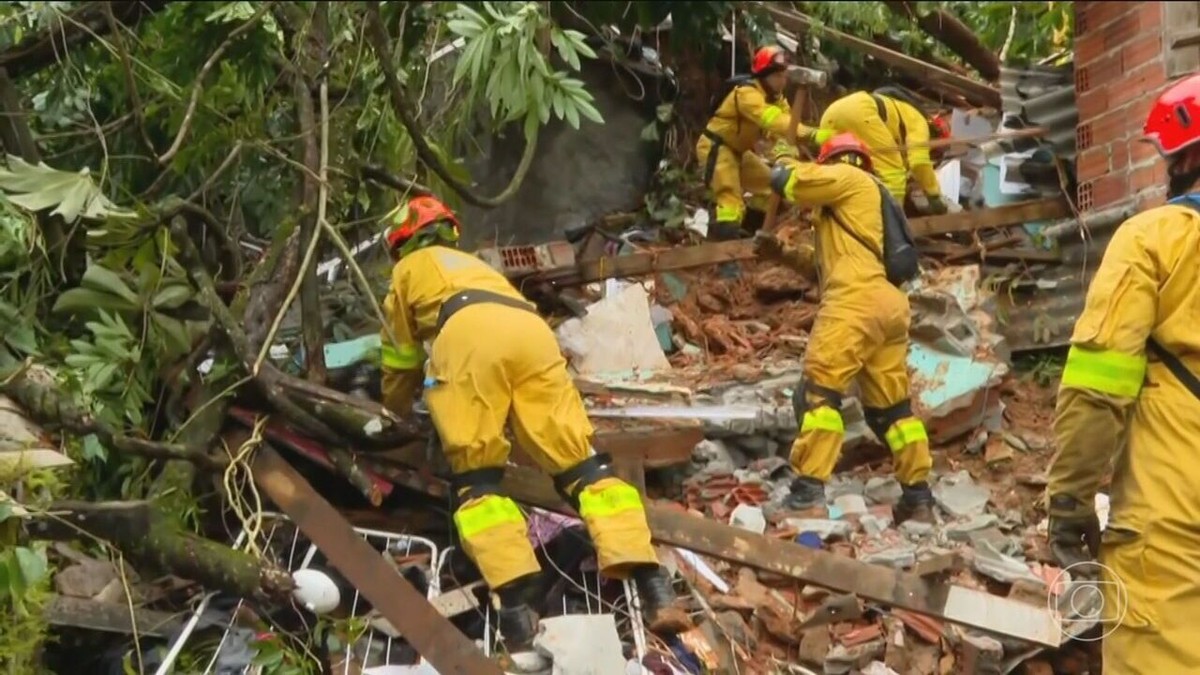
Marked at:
<point>74,195</point>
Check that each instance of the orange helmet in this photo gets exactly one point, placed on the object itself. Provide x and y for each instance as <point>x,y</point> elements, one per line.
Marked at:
<point>1174,120</point>
<point>768,60</point>
<point>939,127</point>
<point>407,220</point>
<point>843,144</point>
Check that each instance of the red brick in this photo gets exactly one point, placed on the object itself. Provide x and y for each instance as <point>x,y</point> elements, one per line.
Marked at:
<point>1122,30</point>
<point>1148,176</point>
<point>1092,103</point>
<point>1151,16</point>
<point>1141,151</point>
<point>1118,155</point>
<point>1109,127</point>
<point>1097,15</point>
<point>1135,85</point>
<point>1109,190</point>
<point>1142,50</point>
<point>1088,48</point>
<point>1092,163</point>
<point>1105,70</point>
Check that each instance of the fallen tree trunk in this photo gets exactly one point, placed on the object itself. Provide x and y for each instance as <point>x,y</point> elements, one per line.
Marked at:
<point>949,30</point>
<point>144,535</point>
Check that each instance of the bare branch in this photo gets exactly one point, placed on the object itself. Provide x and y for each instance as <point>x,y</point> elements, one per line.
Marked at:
<point>130,81</point>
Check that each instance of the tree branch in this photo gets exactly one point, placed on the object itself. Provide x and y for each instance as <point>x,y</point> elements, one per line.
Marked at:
<point>43,49</point>
<point>949,30</point>
<point>268,378</point>
<point>198,86</point>
<point>386,178</point>
<point>381,45</point>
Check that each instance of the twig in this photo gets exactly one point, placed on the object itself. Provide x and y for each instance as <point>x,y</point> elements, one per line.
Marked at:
<point>1012,31</point>
<point>212,179</point>
<point>383,51</point>
<point>130,81</point>
<point>199,84</point>
<point>386,178</point>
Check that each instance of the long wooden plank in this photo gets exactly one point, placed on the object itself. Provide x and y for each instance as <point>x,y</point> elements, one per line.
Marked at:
<point>642,264</point>
<point>435,638</point>
<point>109,617</point>
<point>996,216</point>
<point>968,607</point>
<point>978,92</point>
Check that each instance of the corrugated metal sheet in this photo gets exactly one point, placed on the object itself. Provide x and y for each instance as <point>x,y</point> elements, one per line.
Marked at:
<point>1042,96</point>
<point>1038,308</point>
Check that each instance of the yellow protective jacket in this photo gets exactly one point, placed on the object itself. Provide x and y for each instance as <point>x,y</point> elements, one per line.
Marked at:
<point>904,125</point>
<point>421,282</point>
<point>748,114</point>
<point>848,197</point>
<point>1148,284</point>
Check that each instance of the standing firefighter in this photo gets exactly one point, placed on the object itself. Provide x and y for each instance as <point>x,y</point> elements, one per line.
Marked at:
<point>754,108</point>
<point>493,360</point>
<point>861,330</point>
<point>887,122</point>
<point>1144,299</point>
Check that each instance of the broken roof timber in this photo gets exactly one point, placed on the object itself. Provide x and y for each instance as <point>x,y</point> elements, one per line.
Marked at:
<point>649,262</point>
<point>430,633</point>
<point>975,91</point>
<point>668,526</point>
<point>1007,215</point>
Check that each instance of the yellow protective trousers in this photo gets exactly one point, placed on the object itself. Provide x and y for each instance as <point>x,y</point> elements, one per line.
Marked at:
<point>861,332</point>
<point>859,114</point>
<point>491,365</point>
<point>730,175</point>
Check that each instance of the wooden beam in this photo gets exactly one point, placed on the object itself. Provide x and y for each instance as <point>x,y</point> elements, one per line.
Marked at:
<point>108,617</point>
<point>977,92</point>
<point>884,585</point>
<point>435,638</point>
<point>642,264</point>
<point>1019,213</point>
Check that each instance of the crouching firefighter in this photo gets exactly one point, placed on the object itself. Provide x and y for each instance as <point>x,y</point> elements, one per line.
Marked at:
<point>493,360</point>
<point>755,107</point>
<point>863,252</point>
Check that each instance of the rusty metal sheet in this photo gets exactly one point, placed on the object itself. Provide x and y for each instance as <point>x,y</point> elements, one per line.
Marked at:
<point>435,638</point>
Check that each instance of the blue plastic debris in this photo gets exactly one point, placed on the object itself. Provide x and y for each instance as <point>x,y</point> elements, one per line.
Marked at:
<point>809,539</point>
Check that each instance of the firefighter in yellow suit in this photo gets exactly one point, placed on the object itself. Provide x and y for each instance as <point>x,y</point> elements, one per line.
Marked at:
<point>492,361</point>
<point>1117,405</point>
<point>861,330</point>
<point>753,109</point>
<point>886,124</point>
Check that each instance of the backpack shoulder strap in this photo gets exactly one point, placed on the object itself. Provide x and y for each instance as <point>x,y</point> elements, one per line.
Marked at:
<point>854,235</point>
<point>1176,366</point>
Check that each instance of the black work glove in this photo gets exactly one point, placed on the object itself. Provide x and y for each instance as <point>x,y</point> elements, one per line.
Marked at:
<point>767,245</point>
<point>1074,531</point>
<point>937,206</point>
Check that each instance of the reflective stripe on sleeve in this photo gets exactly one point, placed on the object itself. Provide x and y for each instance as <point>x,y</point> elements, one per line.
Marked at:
<point>1105,371</point>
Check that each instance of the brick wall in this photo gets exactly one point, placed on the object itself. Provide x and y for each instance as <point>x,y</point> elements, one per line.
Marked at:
<point>1121,65</point>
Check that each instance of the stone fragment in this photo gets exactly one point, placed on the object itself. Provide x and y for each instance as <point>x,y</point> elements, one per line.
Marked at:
<point>991,562</point>
<point>826,529</point>
<point>959,495</point>
<point>962,530</point>
<point>581,644</point>
<point>851,504</point>
<point>749,518</point>
<point>883,490</point>
<point>915,529</point>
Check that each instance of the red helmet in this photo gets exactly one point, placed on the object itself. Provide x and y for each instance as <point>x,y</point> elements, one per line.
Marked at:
<point>842,144</point>
<point>1174,120</point>
<point>767,60</point>
<point>939,127</point>
<point>406,220</point>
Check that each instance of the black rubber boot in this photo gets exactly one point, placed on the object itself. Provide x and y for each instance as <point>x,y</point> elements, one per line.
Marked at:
<point>916,503</point>
<point>807,493</point>
<point>753,220</point>
<point>724,231</point>
<point>658,597</point>
<point>518,622</point>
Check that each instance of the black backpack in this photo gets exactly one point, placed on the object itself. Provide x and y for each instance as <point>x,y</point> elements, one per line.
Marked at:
<point>900,259</point>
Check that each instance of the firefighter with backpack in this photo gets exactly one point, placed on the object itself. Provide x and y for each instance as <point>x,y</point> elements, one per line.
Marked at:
<point>863,252</point>
<point>1140,418</point>
<point>897,133</point>
<point>754,108</point>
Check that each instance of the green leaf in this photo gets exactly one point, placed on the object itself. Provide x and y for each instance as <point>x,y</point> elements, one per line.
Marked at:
<point>93,449</point>
<point>585,108</point>
<point>572,115</point>
<point>84,299</point>
<point>73,195</point>
<point>172,297</point>
<point>6,510</point>
<point>464,28</point>
<point>105,280</point>
<point>578,41</point>
<point>650,133</point>
<point>32,565</point>
<point>174,332</point>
